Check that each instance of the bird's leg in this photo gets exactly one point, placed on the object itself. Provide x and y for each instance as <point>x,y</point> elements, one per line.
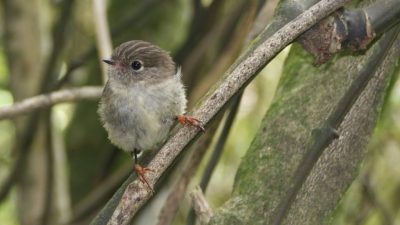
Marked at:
<point>141,171</point>
<point>188,120</point>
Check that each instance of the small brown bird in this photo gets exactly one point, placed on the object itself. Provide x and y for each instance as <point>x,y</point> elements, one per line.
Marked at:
<point>142,99</point>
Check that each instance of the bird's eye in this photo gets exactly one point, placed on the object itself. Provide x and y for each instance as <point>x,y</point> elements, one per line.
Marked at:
<point>136,65</point>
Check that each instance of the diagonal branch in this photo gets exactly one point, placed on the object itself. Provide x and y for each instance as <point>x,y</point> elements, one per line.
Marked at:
<point>237,77</point>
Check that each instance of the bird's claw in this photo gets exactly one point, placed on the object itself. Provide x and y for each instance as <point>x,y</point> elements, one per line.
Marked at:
<point>141,171</point>
<point>188,120</point>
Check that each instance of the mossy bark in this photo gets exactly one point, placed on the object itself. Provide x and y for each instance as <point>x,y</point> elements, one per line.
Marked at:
<point>305,97</point>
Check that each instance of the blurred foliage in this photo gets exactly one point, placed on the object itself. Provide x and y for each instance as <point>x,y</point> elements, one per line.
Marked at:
<point>3,69</point>
<point>7,211</point>
<point>165,24</point>
<point>7,207</point>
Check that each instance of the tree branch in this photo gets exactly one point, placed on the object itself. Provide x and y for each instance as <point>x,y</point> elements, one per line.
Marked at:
<point>350,29</point>
<point>237,77</point>
<point>383,14</point>
<point>47,100</point>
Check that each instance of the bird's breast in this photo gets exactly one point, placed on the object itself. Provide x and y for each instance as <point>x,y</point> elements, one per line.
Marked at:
<point>141,116</point>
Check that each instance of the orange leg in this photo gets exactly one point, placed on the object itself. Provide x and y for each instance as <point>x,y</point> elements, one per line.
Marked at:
<point>188,120</point>
<point>141,171</point>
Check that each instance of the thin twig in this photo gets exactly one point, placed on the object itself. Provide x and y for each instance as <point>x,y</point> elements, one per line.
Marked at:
<point>237,77</point>
<point>103,38</point>
<point>264,16</point>
<point>59,39</point>
<point>47,100</point>
<point>201,206</point>
<point>202,16</point>
<point>214,37</point>
<point>230,33</point>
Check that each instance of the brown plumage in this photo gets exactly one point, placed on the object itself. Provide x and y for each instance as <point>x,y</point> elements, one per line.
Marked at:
<point>141,99</point>
<point>139,106</point>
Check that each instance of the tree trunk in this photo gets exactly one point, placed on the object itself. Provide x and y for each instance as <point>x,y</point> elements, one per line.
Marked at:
<point>304,100</point>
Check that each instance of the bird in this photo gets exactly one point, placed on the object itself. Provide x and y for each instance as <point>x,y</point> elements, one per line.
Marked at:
<point>142,100</point>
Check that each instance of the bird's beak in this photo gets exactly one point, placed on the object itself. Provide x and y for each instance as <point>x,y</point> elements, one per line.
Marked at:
<point>109,61</point>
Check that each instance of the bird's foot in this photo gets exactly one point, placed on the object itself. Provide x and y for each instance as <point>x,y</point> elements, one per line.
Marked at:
<point>141,171</point>
<point>188,120</point>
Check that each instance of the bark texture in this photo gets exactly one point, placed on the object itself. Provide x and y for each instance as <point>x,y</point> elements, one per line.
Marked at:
<point>305,97</point>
